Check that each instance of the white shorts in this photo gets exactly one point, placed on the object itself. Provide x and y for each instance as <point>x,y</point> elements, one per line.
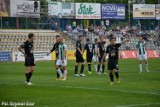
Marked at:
<point>142,57</point>
<point>95,58</point>
<point>59,62</point>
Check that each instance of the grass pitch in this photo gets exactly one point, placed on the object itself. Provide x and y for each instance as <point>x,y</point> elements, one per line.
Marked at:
<point>135,90</point>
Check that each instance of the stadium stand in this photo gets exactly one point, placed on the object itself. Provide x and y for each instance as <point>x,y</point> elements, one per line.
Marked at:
<point>10,40</point>
<point>128,46</point>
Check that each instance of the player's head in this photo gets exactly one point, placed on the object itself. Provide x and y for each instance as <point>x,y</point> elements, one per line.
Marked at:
<point>95,40</point>
<point>60,39</point>
<point>112,41</point>
<point>31,37</point>
<point>57,38</point>
<point>88,40</point>
<point>140,38</point>
<point>80,37</point>
<point>101,38</point>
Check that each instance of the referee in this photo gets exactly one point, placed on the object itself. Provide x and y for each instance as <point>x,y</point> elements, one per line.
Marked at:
<point>113,52</point>
<point>27,49</point>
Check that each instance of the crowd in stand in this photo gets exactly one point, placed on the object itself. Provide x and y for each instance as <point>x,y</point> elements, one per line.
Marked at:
<point>125,31</point>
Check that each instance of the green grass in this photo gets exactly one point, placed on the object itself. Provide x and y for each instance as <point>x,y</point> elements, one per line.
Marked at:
<point>92,91</point>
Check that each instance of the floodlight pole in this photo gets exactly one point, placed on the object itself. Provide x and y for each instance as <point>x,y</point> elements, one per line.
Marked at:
<point>129,11</point>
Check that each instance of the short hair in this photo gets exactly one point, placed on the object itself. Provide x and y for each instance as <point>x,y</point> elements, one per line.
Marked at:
<point>112,38</point>
<point>57,36</point>
<point>30,35</point>
<point>95,39</point>
<point>87,39</point>
<point>80,36</point>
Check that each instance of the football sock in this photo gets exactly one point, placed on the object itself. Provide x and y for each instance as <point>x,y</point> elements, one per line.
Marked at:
<point>111,76</point>
<point>99,67</point>
<point>59,71</point>
<point>146,66</point>
<point>57,75</point>
<point>65,74</point>
<point>140,67</point>
<point>89,67</point>
<point>116,74</point>
<point>76,69</point>
<point>27,77</point>
<point>30,75</point>
<point>103,67</point>
<point>82,68</point>
<point>95,66</point>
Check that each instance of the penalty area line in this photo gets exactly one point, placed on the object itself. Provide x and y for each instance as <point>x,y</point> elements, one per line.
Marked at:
<point>135,105</point>
<point>86,88</point>
<point>101,89</point>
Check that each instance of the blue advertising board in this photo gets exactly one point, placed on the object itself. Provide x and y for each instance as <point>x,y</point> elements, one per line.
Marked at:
<point>113,11</point>
<point>4,56</point>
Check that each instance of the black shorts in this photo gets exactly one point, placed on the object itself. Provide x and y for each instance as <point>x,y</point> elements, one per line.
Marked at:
<point>112,64</point>
<point>79,58</point>
<point>100,58</point>
<point>89,58</point>
<point>29,61</point>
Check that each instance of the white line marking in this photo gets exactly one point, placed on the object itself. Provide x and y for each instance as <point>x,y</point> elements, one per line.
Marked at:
<point>88,88</point>
<point>135,105</point>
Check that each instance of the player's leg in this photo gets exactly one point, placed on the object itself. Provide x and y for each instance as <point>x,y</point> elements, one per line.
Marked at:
<point>95,59</point>
<point>146,62</point>
<point>28,70</point>
<point>64,69</point>
<point>89,64</point>
<point>110,68</point>
<point>76,69</point>
<point>99,65</point>
<point>82,69</point>
<point>58,76</point>
<point>58,63</point>
<point>140,63</point>
<point>115,69</point>
<point>140,66</point>
<point>111,77</point>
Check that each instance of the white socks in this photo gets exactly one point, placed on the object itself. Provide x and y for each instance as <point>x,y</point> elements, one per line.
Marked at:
<point>95,66</point>
<point>146,66</point>
<point>140,67</point>
<point>60,73</point>
<point>65,74</point>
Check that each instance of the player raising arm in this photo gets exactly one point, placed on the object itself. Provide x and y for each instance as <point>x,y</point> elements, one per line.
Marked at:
<point>113,52</point>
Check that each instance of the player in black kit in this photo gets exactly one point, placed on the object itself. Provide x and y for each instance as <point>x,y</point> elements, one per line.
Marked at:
<point>113,52</point>
<point>27,49</point>
<point>89,54</point>
<point>79,57</point>
<point>55,48</point>
<point>101,51</point>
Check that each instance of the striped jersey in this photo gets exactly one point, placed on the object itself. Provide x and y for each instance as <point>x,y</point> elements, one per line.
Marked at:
<point>61,51</point>
<point>141,47</point>
<point>95,49</point>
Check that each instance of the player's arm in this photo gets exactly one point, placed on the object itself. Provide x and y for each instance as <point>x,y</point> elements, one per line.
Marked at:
<point>51,50</point>
<point>21,49</point>
<point>77,46</point>
<point>104,56</point>
<point>125,41</point>
<point>85,48</point>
